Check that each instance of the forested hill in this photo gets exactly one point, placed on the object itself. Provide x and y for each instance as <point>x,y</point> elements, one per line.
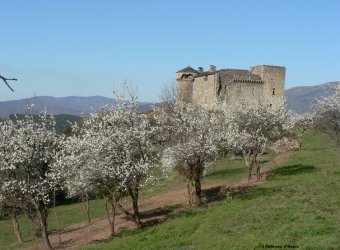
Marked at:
<point>62,121</point>
<point>70,105</point>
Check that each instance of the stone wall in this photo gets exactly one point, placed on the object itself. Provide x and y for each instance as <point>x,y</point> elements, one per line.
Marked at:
<point>233,92</point>
<point>274,80</point>
<point>185,86</point>
<point>204,91</point>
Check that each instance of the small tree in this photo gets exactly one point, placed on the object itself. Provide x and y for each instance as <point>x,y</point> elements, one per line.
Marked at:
<point>75,159</point>
<point>135,138</point>
<point>194,139</point>
<point>91,168</point>
<point>169,93</point>
<point>12,213</point>
<point>327,115</point>
<point>116,154</point>
<point>27,178</point>
<point>303,122</point>
<point>255,126</point>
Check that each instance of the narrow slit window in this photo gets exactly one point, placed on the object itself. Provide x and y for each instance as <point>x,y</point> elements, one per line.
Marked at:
<point>273,91</point>
<point>239,88</point>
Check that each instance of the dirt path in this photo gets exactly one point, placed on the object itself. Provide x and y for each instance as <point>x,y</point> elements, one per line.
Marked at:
<point>154,209</point>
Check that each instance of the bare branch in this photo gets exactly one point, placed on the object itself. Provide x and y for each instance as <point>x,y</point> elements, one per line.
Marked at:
<point>169,93</point>
<point>8,79</point>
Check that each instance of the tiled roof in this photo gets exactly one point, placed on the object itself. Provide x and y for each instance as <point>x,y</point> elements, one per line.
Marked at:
<point>187,69</point>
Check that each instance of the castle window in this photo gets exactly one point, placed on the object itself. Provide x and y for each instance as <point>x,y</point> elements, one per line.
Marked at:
<point>273,91</point>
<point>238,88</point>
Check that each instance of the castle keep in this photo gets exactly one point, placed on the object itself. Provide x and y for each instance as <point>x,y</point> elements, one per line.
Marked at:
<point>215,88</point>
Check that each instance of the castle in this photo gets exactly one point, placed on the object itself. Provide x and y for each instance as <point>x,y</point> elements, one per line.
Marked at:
<point>215,88</point>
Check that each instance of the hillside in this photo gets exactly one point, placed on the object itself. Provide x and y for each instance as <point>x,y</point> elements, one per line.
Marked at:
<point>62,121</point>
<point>295,206</point>
<point>299,99</point>
<point>71,105</point>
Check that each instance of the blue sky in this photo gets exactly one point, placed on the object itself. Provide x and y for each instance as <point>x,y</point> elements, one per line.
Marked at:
<point>83,48</point>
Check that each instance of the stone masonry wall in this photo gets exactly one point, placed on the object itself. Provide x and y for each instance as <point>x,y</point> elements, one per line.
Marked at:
<point>274,80</point>
<point>234,92</point>
<point>204,91</point>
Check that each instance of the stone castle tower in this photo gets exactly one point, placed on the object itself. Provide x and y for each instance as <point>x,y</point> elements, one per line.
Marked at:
<point>215,88</point>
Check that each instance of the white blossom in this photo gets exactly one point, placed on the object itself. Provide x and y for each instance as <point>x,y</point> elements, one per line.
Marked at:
<point>28,148</point>
<point>327,115</point>
<point>252,127</point>
<point>194,139</point>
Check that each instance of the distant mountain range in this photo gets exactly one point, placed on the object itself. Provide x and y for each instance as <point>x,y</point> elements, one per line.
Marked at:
<point>299,100</point>
<point>71,105</point>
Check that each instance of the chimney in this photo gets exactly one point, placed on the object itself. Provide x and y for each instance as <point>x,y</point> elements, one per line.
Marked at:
<point>200,69</point>
<point>212,68</point>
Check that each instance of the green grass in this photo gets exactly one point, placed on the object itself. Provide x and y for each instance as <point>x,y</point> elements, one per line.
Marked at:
<point>230,170</point>
<point>297,206</point>
<point>68,215</point>
<point>73,214</point>
<point>225,170</point>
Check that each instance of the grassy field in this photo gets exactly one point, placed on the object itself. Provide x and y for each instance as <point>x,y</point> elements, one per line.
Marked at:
<point>297,206</point>
<point>68,215</point>
<point>73,214</point>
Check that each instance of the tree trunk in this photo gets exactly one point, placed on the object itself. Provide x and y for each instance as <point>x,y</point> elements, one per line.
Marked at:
<point>16,227</point>
<point>249,163</point>
<point>258,174</point>
<point>111,220</point>
<point>86,203</point>
<point>113,211</point>
<point>189,192</point>
<point>42,216</point>
<point>126,212</point>
<point>113,203</point>
<point>134,196</point>
<point>56,217</point>
<point>250,169</point>
<point>198,192</point>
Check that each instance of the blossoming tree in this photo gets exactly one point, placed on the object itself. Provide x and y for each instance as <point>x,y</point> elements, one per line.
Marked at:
<point>194,138</point>
<point>117,155</point>
<point>255,126</point>
<point>27,177</point>
<point>75,161</point>
<point>327,115</point>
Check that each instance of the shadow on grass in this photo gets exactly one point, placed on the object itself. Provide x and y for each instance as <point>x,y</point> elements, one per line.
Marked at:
<point>221,192</point>
<point>257,192</point>
<point>225,172</point>
<point>264,161</point>
<point>158,215</point>
<point>292,170</point>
